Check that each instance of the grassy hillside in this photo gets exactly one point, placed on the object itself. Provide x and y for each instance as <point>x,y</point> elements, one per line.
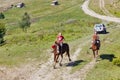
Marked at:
<point>95,6</point>
<point>48,20</point>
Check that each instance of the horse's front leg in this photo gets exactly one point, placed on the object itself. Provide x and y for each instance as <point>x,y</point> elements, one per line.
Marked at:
<point>61,60</point>
<point>54,57</point>
<point>55,60</point>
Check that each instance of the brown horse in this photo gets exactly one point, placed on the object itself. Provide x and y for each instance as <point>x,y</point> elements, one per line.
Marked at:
<point>95,47</point>
<point>62,49</point>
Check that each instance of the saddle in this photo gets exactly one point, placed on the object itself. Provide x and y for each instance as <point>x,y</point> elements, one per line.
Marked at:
<point>59,48</point>
<point>96,45</point>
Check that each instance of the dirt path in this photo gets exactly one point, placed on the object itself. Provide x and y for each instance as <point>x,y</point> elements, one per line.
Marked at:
<point>90,12</point>
<point>46,71</point>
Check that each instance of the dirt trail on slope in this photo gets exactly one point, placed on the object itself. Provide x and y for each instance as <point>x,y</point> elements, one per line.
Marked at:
<point>46,71</point>
<point>90,12</point>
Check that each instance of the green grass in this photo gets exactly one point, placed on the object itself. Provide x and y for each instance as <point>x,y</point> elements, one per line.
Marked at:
<point>94,5</point>
<point>104,71</point>
<point>113,7</point>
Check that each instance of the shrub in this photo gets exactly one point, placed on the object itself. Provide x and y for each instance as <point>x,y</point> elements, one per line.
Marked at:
<point>25,22</point>
<point>116,61</point>
<point>2,32</point>
<point>2,16</point>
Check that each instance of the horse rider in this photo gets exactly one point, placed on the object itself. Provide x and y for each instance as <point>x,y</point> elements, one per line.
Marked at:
<point>95,40</point>
<point>59,39</point>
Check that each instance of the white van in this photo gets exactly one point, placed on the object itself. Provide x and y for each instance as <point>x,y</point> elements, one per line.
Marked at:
<point>100,28</point>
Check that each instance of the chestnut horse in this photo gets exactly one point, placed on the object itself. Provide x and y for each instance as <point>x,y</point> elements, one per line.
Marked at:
<point>95,48</point>
<point>62,49</point>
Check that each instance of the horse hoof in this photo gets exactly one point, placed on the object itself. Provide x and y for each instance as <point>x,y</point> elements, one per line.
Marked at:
<point>60,64</point>
<point>56,61</point>
<point>54,67</point>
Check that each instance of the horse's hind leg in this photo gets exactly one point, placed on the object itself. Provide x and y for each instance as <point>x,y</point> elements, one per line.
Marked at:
<point>68,55</point>
<point>61,60</point>
<point>94,53</point>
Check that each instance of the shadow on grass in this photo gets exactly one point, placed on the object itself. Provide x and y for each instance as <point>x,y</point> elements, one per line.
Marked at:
<point>103,33</point>
<point>75,63</point>
<point>107,56</point>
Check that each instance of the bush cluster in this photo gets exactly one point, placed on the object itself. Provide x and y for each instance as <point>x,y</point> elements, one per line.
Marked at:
<point>2,16</point>
<point>2,32</point>
<point>116,61</point>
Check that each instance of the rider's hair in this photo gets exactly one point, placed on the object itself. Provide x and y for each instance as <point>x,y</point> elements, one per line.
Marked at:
<point>95,32</point>
<point>59,33</point>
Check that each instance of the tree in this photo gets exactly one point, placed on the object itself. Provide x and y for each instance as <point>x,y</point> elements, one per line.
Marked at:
<point>25,22</point>
<point>2,32</point>
<point>2,16</point>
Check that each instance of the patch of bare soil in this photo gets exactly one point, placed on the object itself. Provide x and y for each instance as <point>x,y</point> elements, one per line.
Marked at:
<point>45,71</point>
<point>16,73</point>
<point>6,4</point>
